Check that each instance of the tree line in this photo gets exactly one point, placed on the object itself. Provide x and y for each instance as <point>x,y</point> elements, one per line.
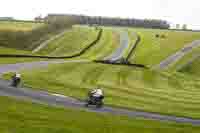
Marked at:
<point>107,21</point>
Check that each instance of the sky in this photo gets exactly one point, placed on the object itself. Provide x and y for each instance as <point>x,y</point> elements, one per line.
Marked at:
<point>174,11</point>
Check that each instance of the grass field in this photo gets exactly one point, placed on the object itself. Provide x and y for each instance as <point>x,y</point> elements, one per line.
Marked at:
<point>124,86</point>
<point>108,43</point>
<point>72,42</point>
<point>19,26</point>
<point>128,87</point>
<point>4,50</point>
<point>132,40</point>
<point>152,50</point>
<point>193,68</point>
<point>22,117</point>
<point>185,60</point>
<point>26,35</point>
<point>4,61</point>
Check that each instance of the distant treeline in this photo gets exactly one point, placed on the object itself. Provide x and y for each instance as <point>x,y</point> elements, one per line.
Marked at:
<point>10,19</point>
<point>6,18</point>
<point>106,21</point>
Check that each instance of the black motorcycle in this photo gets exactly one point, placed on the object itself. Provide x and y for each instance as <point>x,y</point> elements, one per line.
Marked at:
<point>15,82</point>
<point>98,102</point>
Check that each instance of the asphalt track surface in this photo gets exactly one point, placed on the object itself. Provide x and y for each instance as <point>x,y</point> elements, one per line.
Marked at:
<point>118,53</point>
<point>176,56</point>
<point>43,97</point>
<point>57,100</point>
<point>32,65</point>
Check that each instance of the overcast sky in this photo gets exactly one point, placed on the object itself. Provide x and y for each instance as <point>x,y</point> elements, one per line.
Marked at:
<point>174,11</point>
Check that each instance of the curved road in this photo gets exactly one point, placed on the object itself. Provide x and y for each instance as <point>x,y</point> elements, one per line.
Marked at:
<point>59,100</point>
<point>118,54</point>
<point>176,56</point>
<point>32,65</point>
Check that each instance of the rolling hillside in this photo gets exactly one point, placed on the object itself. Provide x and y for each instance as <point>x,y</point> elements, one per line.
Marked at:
<point>19,116</point>
<point>192,68</point>
<point>26,35</point>
<point>142,89</point>
<point>128,87</point>
<point>152,50</point>
<point>108,43</point>
<point>71,42</point>
<point>19,26</point>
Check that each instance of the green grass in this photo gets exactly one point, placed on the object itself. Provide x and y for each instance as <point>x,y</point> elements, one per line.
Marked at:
<point>26,35</point>
<point>19,26</point>
<point>128,87</point>
<point>76,39</point>
<point>26,117</point>
<point>4,61</point>
<point>152,50</point>
<point>124,86</point>
<point>192,69</point>
<point>108,43</point>
<point>4,50</point>
<point>132,40</point>
<point>72,42</point>
<point>183,62</point>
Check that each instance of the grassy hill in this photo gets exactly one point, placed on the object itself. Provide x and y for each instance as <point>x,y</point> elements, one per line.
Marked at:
<point>4,50</point>
<point>152,50</point>
<point>108,43</point>
<point>192,69</point>
<point>22,117</point>
<point>72,42</point>
<point>26,35</point>
<point>127,87</point>
<point>186,60</point>
<point>19,26</point>
<point>124,86</point>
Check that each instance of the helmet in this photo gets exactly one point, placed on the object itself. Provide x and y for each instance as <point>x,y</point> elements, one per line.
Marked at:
<point>18,75</point>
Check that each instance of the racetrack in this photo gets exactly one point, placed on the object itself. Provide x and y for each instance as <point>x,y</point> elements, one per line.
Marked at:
<point>32,65</point>
<point>176,56</point>
<point>59,100</point>
<point>118,53</point>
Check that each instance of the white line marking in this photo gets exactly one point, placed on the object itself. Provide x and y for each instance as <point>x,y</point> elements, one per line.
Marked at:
<point>59,95</point>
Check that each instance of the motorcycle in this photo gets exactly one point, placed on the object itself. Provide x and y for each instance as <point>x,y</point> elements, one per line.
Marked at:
<point>15,82</point>
<point>98,102</point>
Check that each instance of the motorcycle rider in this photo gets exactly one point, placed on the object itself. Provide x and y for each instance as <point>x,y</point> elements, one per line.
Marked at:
<point>16,79</point>
<point>97,94</point>
<point>95,97</point>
